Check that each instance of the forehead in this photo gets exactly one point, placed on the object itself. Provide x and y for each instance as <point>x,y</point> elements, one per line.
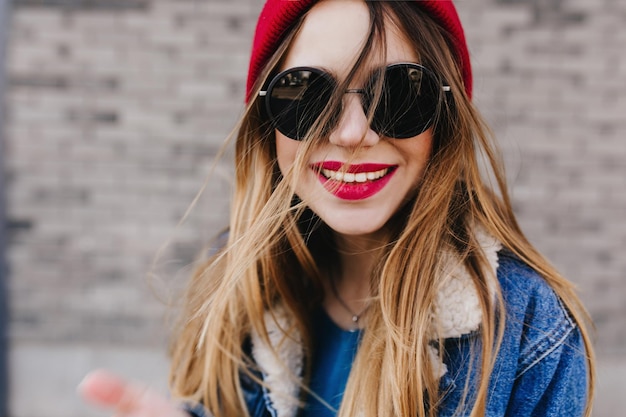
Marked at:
<point>334,33</point>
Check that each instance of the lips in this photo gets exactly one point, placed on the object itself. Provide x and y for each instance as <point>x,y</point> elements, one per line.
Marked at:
<point>354,181</point>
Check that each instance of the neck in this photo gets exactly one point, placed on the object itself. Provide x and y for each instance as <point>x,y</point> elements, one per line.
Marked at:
<point>357,255</point>
<point>351,293</point>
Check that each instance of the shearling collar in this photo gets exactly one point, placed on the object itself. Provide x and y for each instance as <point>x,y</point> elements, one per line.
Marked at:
<point>456,312</point>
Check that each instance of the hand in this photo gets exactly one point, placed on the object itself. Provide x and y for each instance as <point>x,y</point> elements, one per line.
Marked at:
<point>125,399</point>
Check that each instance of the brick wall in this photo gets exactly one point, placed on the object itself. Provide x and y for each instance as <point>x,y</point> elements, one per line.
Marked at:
<point>116,110</point>
<point>115,115</point>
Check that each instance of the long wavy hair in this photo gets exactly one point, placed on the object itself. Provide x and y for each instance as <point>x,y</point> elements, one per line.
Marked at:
<point>277,253</point>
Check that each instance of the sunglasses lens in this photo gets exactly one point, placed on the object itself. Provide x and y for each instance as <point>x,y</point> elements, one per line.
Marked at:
<point>408,103</point>
<point>296,99</point>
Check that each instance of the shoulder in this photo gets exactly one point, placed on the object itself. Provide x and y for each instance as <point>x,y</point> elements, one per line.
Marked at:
<point>540,362</point>
<point>542,350</point>
<point>527,295</point>
<point>535,316</point>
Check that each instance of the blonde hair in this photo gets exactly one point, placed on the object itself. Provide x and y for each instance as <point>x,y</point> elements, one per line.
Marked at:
<point>274,243</point>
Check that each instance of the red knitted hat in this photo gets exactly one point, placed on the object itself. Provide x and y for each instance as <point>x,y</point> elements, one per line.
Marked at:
<point>278,15</point>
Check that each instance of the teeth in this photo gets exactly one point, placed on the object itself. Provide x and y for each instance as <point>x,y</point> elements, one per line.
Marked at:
<point>349,177</point>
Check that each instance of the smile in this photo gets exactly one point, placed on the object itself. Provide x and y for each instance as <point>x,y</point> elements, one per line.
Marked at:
<point>353,182</point>
<point>349,177</point>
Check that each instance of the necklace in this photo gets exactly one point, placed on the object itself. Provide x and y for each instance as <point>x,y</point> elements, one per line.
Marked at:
<point>355,316</point>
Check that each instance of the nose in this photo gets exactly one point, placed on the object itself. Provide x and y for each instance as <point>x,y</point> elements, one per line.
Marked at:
<point>353,129</point>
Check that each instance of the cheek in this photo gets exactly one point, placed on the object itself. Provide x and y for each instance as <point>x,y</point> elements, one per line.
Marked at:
<point>426,152</point>
<point>286,150</point>
<point>419,151</point>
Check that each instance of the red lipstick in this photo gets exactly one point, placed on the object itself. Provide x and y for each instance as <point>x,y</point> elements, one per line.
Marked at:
<point>353,181</point>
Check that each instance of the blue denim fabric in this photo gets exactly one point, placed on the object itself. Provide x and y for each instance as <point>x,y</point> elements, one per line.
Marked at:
<point>541,367</point>
<point>540,370</point>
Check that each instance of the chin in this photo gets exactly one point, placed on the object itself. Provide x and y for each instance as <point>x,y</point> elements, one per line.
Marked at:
<point>354,226</point>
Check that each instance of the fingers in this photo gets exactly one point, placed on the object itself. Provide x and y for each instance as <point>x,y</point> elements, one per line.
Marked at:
<point>103,388</point>
<point>109,391</point>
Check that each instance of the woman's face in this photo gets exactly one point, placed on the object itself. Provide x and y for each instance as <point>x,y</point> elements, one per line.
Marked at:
<point>331,38</point>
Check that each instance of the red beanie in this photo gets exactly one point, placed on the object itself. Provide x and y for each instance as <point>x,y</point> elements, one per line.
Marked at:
<point>278,15</point>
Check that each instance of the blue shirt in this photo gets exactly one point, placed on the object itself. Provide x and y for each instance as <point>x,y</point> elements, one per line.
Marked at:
<point>334,351</point>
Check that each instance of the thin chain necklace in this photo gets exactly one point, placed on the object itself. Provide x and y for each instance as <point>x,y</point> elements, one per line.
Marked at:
<point>355,316</point>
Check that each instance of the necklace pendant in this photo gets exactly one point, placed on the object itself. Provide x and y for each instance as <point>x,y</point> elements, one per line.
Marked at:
<point>355,319</point>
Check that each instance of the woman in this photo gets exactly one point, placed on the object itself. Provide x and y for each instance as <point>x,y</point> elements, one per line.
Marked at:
<point>369,268</point>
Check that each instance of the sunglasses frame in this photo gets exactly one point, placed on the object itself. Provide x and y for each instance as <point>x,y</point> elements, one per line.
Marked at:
<point>266,92</point>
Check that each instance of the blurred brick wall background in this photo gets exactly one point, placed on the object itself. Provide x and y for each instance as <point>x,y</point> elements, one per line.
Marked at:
<point>117,108</point>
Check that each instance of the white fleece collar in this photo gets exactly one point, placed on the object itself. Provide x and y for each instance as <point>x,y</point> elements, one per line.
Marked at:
<point>279,369</point>
<point>456,312</point>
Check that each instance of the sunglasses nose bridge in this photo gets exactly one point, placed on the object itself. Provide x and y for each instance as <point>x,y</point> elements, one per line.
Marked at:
<point>352,128</point>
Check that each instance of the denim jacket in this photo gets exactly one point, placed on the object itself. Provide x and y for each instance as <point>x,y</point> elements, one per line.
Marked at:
<point>540,369</point>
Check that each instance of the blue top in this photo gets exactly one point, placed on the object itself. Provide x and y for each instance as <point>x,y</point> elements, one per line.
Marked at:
<point>334,351</point>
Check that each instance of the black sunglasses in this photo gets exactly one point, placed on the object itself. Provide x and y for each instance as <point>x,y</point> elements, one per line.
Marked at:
<point>411,94</point>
